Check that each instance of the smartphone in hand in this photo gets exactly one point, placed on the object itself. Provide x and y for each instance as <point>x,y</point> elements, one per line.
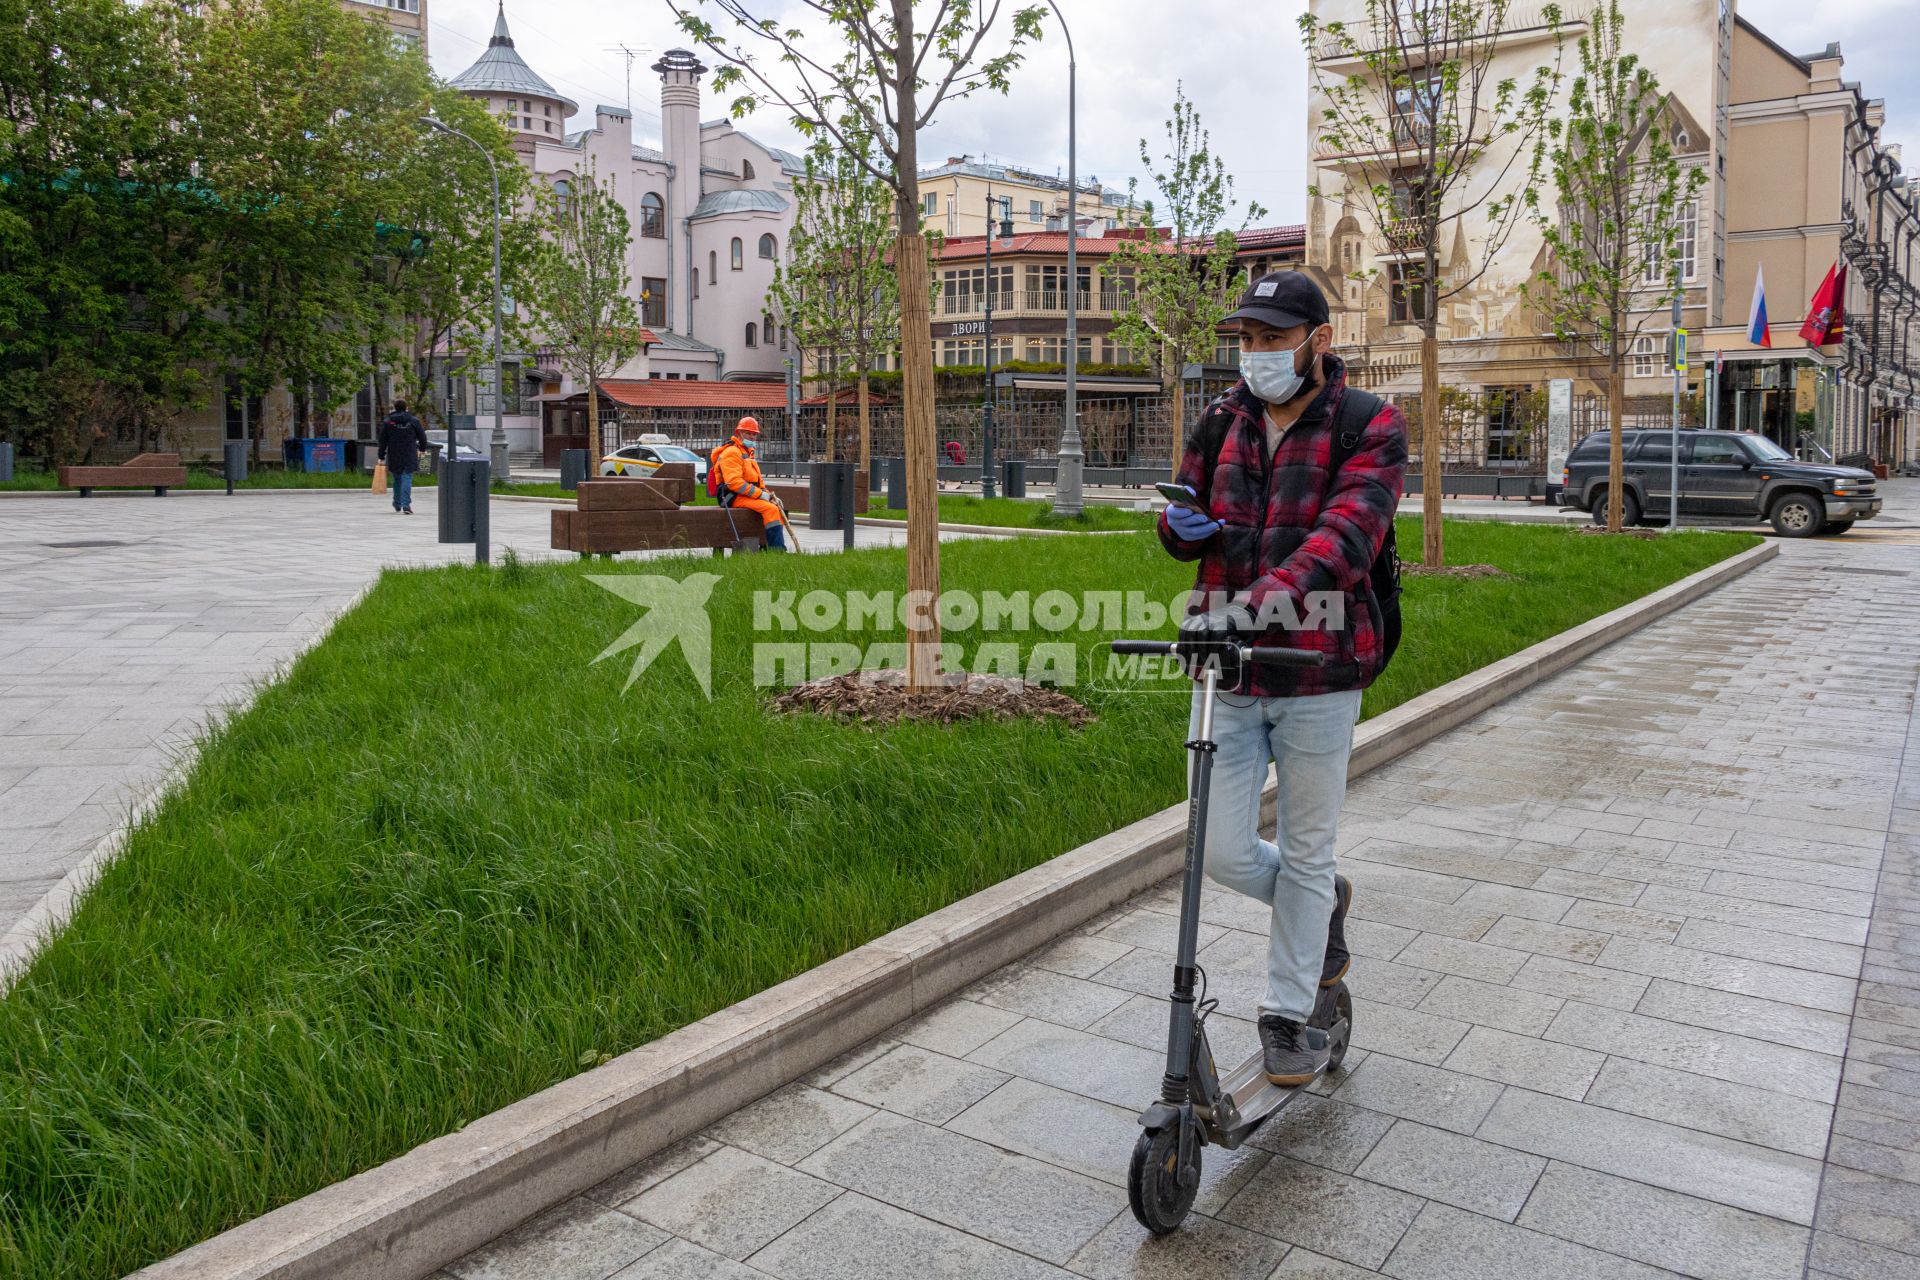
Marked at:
<point>1179,495</point>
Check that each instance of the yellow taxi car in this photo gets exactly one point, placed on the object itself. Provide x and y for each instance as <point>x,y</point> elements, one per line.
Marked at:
<point>644,456</point>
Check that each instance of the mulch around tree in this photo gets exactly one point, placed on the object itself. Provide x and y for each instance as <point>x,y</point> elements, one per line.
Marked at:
<point>882,697</point>
<point>1624,533</point>
<point>1452,571</point>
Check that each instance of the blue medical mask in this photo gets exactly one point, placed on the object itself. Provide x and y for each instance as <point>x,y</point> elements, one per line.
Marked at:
<point>1272,375</point>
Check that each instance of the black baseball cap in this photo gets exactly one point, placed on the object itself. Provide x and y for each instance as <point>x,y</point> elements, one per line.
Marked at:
<point>1282,299</point>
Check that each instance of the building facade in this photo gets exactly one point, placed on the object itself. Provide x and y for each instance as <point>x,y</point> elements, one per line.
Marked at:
<point>954,200</point>
<point>1788,154</point>
<point>708,211</point>
<point>408,18</point>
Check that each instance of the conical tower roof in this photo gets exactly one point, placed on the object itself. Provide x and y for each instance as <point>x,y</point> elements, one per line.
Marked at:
<point>501,70</point>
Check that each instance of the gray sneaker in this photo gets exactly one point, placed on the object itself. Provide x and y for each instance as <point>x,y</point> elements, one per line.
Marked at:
<point>1294,1054</point>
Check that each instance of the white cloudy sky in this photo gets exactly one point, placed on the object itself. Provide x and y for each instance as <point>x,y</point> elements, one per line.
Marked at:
<point>1240,61</point>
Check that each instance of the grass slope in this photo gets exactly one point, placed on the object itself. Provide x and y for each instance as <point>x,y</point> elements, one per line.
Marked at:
<point>447,862</point>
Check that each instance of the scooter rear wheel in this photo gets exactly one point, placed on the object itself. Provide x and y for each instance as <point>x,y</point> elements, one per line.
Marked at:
<point>1340,1033</point>
<point>1160,1202</point>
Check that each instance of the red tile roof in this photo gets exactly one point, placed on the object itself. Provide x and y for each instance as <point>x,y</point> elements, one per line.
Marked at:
<point>1271,238</point>
<point>659,393</point>
<point>1028,242</point>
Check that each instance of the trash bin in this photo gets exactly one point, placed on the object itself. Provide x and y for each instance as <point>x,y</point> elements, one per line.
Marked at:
<point>828,483</point>
<point>1013,478</point>
<point>433,458</point>
<point>6,461</point>
<point>896,484</point>
<point>313,453</point>
<point>455,493</point>
<point>234,463</point>
<point>573,468</point>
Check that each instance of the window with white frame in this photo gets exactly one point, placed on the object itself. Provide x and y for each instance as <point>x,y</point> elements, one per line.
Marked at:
<point>1686,249</point>
<point>1646,356</point>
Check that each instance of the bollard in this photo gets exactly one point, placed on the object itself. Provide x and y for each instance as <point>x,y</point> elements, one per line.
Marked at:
<point>849,495</point>
<point>573,468</point>
<point>1014,483</point>
<point>6,462</point>
<point>481,487</point>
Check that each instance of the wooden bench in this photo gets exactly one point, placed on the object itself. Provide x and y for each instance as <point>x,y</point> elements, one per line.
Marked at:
<point>156,471</point>
<point>630,513</point>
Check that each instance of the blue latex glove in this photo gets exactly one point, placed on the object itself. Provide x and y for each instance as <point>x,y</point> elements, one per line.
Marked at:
<point>1191,525</point>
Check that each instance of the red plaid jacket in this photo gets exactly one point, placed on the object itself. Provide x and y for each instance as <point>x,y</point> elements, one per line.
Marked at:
<point>1291,528</point>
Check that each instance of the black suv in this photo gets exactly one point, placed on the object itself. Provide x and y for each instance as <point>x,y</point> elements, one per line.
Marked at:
<point>1726,477</point>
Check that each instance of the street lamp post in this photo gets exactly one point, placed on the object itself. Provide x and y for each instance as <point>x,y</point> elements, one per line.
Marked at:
<point>1072,460</point>
<point>986,410</point>
<point>498,445</point>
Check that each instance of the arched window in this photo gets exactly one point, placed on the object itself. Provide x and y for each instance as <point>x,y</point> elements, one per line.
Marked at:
<point>768,249</point>
<point>766,330</point>
<point>753,334</point>
<point>713,267</point>
<point>653,217</point>
<point>746,167</point>
<point>562,197</point>
<point>738,249</point>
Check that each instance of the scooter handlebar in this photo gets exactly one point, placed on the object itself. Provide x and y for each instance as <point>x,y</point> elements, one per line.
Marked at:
<point>1263,654</point>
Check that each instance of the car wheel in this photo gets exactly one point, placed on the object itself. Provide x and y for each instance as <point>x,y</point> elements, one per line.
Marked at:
<point>1629,510</point>
<point>1797,515</point>
<point>1836,526</point>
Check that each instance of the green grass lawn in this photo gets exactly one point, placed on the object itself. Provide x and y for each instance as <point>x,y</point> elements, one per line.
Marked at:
<point>1024,513</point>
<point>447,862</point>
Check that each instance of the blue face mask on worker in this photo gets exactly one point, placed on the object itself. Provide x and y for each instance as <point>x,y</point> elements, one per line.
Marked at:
<point>1273,376</point>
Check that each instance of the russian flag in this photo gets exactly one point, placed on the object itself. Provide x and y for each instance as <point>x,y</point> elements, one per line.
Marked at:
<point>1757,317</point>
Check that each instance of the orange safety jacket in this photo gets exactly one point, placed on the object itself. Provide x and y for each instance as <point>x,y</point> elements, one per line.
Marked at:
<point>739,472</point>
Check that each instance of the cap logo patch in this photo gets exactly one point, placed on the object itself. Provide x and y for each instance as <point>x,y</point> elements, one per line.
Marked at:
<point>1266,288</point>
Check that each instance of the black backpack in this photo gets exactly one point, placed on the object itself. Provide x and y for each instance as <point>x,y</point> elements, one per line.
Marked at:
<point>1357,409</point>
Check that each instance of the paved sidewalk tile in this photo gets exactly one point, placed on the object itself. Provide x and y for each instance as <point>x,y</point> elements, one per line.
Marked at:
<point>1636,991</point>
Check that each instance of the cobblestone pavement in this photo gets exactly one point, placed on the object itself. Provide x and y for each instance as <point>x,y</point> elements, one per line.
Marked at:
<point>125,620</point>
<point>1621,944</point>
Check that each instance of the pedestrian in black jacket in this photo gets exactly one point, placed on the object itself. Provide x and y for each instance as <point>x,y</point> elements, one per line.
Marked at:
<point>402,439</point>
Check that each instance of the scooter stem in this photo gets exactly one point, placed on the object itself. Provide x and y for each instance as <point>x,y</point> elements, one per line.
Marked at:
<point>1180,1036</point>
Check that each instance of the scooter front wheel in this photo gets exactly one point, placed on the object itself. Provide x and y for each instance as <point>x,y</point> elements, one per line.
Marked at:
<point>1159,1196</point>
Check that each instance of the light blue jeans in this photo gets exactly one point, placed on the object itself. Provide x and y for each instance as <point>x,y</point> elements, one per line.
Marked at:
<point>1308,739</point>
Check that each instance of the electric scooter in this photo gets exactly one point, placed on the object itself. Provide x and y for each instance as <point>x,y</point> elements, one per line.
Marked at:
<point>1197,1106</point>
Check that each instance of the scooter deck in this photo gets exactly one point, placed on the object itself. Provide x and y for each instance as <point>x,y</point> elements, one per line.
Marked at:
<point>1255,1097</point>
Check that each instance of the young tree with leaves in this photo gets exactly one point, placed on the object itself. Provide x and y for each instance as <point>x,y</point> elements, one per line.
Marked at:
<point>887,67</point>
<point>106,232</point>
<point>303,115</point>
<point>443,290</point>
<point>1619,193</point>
<point>1182,276</point>
<point>1432,140</point>
<point>577,289</point>
<point>837,292</point>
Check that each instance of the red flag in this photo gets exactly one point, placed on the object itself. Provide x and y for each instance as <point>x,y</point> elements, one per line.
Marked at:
<point>1826,318</point>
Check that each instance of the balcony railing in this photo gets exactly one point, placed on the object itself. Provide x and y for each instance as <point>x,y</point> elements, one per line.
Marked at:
<point>1035,302</point>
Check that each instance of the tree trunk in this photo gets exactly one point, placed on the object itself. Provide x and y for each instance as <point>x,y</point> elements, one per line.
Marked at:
<point>593,426</point>
<point>1432,462</point>
<point>1616,406</point>
<point>916,366</point>
<point>866,427</point>
<point>833,410</point>
<point>1176,408</point>
<point>919,444</point>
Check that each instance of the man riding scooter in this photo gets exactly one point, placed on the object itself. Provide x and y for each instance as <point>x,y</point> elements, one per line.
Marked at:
<point>1291,502</point>
<point>741,485</point>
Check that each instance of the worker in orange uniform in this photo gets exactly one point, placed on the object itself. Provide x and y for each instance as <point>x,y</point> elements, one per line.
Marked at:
<point>740,483</point>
